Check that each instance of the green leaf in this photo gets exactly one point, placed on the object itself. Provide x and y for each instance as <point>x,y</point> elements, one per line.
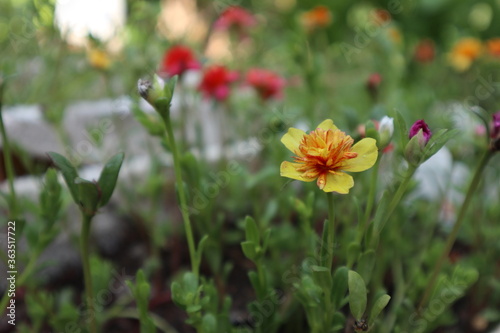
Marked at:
<point>88,195</point>
<point>108,177</point>
<point>379,305</point>
<point>353,251</point>
<point>339,286</point>
<point>322,277</point>
<point>357,295</point>
<point>325,247</point>
<point>151,122</point>
<point>184,292</point>
<point>201,246</point>
<point>68,171</point>
<point>365,265</point>
<point>402,129</point>
<point>254,280</point>
<point>191,169</point>
<point>251,230</point>
<point>50,198</point>
<point>249,249</point>
<point>338,321</point>
<point>209,323</point>
<point>381,213</point>
<point>437,141</point>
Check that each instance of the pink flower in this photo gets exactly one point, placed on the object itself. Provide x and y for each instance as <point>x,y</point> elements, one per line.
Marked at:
<point>373,84</point>
<point>267,83</point>
<point>177,60</point>
<point>374,81</point>
<point>420,125</point>
<point>216,82</point>
<point>235,17</point>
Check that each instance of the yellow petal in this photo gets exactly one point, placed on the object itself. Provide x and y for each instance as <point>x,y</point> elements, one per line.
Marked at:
<point>292,139</point>
<point>367,156</point>
<point>289,170</point>
<point>338,182</point>
<point>327,125</point>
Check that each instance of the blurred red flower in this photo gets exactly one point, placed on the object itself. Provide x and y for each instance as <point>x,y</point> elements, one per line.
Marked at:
<point>267,83</point>
<point>216,82</point>
<point>177,60</point>
<point>425,51</point>
<point>382,17</point>
<point>235,17</point>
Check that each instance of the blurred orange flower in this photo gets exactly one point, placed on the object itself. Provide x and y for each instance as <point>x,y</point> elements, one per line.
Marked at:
<point>318,17</point>
<point>464,53</point>
<point>493,47</point>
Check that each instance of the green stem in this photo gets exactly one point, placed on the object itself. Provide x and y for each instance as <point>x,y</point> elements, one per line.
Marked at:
<point>392,206</point>
<point>371,200</point>
<point>456,227</point>
<point>182,195</point>
<point>183,113</point>
<point>262,280</point>
<point>28,269</point>
<point>331,229</point>
<point>9,168</point>
<point>22,279</point>
<point>399,295</point>
<point>84,248</point>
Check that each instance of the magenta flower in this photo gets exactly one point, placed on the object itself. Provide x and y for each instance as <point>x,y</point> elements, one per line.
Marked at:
<point>420,125</point>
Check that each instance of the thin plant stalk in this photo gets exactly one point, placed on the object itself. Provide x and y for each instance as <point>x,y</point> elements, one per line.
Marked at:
<point>393,204</point>
<point>87,276</point>
<point>331,229</point>
<point>456,227</point>
<point>9,168</point>
<point>182,194</point>
<point>370,203</point>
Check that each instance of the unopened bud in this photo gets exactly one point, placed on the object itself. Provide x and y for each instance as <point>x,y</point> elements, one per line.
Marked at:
<point>419,136</point>
<point>159,93</point>
<point>385,130</point>
<point>373,83</point>
<point>420,125</point>
<point>495,132</point>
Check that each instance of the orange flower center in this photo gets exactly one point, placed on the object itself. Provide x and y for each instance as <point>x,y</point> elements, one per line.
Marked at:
<point>322,152</point>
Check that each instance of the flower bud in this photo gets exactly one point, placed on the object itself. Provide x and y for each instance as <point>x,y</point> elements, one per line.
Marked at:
<point>373,84</point>
<point>419,136</point>
<point>495,131</point>
<point>420,125</point>
<point>385,130</point>
<point>159,93</point>
<point>495,125</point>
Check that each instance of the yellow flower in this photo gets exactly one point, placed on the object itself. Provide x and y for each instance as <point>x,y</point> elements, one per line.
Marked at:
<point>325,154</point>
<point>98,59</point>
<point>464,53</point>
